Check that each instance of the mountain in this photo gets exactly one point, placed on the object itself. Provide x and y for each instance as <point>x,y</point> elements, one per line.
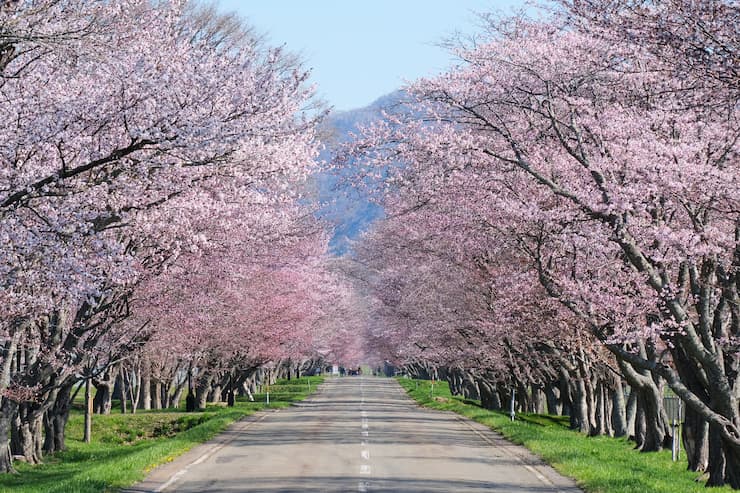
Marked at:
<point>349,209</point>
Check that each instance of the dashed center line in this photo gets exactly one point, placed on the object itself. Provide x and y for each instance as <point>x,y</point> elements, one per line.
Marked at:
<point>364,453</point>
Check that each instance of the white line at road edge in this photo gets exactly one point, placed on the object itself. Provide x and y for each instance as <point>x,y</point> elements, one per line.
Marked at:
<point>529,468</point>
<point>203,457</point>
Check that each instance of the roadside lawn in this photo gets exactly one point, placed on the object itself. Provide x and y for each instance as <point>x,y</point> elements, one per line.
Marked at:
<point>126,447</point>
<point>598,464</point>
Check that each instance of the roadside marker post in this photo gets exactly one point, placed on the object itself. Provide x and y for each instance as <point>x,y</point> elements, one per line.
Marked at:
<point>512,407</point>
<point>674,409</point>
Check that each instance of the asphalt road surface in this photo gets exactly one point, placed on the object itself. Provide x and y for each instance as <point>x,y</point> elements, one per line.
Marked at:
<point>357,434</point>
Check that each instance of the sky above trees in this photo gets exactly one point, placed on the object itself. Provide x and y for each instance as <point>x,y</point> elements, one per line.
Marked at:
<point>359,51</point>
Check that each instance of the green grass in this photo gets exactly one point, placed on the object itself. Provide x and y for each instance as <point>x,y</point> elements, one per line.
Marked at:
<point>598,464</point>
<point>125,447</point>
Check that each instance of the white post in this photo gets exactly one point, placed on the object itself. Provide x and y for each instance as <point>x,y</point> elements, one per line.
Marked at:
<point>267,398</point>
<point>676,445</point>
<point>512,407</point>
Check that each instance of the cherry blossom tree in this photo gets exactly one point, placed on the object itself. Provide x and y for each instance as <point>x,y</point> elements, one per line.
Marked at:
<point>605,162</point>
<point>131,123</point>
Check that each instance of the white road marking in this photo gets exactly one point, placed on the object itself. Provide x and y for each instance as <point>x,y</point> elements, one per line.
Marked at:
<point>364,424</point>
<point>363,414</point>
<point>529,468</point>
<point>363,443</point>
<point>362,486</point>
<point>365,434</point>
<point>203,458</point>
<point>364,469</point>
<point>365,454</point>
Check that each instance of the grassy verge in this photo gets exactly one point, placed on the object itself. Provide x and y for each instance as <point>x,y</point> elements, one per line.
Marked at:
<point>125,447</point>
<point>598,464</point>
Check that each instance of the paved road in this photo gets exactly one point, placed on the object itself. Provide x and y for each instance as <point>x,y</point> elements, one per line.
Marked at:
<point>358,434</point>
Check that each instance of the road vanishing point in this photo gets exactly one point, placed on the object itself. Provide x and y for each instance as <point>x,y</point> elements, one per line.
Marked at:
<point>357,434</point>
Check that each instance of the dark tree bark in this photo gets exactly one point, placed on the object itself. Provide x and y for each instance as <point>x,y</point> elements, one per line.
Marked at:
<point>538,399</point>
<point>488,396</point>
<point>26,433</point>
<point>651,429</point>
<point>632,415</point>
<point>156,393</point>
<point>87,436</point>
<point>202,390</point>
<point>7,410</point>
<point>552,397</point>
<point>174,400</point>
<point>695,438</point>
<point>580,415</point>
<point>470,389</point>
<point>717,463</point>
<point>55,421</point>
<point>103,400</point>
<point>619,411</point>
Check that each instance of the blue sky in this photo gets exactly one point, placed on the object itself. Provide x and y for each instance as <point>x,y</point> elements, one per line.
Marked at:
<point>361,50</point>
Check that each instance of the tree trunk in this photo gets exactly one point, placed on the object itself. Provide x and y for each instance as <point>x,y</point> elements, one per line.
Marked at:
<point>55,420</point>
<point>87,435</point>
<point>470,389</point>
<point>156,394</point>
<point>488,396</point>
<point>522,398</point>
<point>202,389</point>
<point>696,440</point>
<point>103,400</point>
<point>631,414</point>
<point>724,461</point>
<point>174,400</point>
<point>716,458</point>
<point>7,410</point>
<point>579,417</point>
<point>695,429</point>
<point>538,399</point>
<point>552,399</point>
<point>145,387</point>
<point>215,394</point>
<point>732,464</point>
<point>601,414</point>
<point>122,387</point>
<point>651,430</point>
<point>26,434</point>
<point>619,412</point>
<point>650,401</point>
<point>454,382</point>
<point>132,379</point>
